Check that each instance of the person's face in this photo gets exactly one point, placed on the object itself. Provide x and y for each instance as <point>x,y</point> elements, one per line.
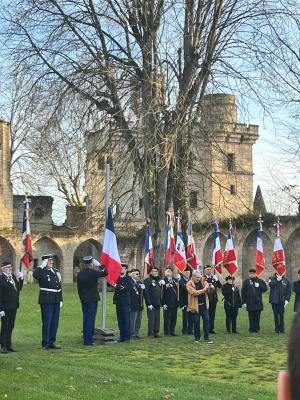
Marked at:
<point>123,271</point>
<point>7,269</point>
<point>168,273</point>
<point>207,271</point>
<point>230,281</point>
<point>252,275</point>
<point>50,264</point>
<point>298,277</point>
<point>196,278</point>
<point>186,274</point>
<point>135,274</point>
<point>154,273</point>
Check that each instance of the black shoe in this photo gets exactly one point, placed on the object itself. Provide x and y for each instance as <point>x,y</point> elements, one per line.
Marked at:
<point>12,350</point>
<point>213,332</point>
<point>236,332</point>
<point>54,346</point>
<point>4,350</point>
<point>173,334</point>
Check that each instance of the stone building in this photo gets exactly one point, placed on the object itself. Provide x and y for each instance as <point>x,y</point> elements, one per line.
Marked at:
<point>227,157</point>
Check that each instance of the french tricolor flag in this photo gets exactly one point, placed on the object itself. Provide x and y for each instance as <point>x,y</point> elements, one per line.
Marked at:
<point>191,248</point>
<point>110,256</point>
<point>180,256</point>
<point>260,258</point>
<point>217,257</point>
<point>230,259</point>
<point>149,251</point>
<point>170,245</point>
<point>278,257</point>
<point>26,257</point>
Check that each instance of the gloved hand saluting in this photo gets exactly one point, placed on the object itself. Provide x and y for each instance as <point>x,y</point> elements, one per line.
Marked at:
<point>44,264</point>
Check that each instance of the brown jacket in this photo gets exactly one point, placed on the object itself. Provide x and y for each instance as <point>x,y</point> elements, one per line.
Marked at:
<point>193,305</point>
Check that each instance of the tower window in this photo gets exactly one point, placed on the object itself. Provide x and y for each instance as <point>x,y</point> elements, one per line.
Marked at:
<point>233,189</point>
<point>193,199</point>
<point>230,162</point>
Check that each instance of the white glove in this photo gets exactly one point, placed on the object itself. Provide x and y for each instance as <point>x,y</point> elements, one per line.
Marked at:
<point>44,264</point>
<point>183,308</point>
<point>286,303</point>
<point>2,314</point>
<point>215,277</point>
<point>142,286</point>
<point>178,276</point>
<point>60,304</point>
<point>244,305</point>
<point>20,275</point>
<point>96,263</point>
<point>150,307</point>
<point>256,284</point>
<point>165,307</point>
<point>279,278</point>
<point>162,282</point>
<point>232,288</point>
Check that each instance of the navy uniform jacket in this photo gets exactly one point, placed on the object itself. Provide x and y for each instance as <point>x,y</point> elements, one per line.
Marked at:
<point>136,296</point>
<point>296,288</point>
<point>9,295</point>
<point>152,292</point>
<point>183,294</point>
<point>170,293</point>
<point>251,295</point>
<point>50,285</point>
<point>213,293</point>
<point>232,298</point>
<point>279,290</point>
<point>122,291</point>
<point>87,284</point>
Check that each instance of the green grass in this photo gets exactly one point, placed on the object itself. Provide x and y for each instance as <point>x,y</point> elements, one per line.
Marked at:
<point>240,367</point>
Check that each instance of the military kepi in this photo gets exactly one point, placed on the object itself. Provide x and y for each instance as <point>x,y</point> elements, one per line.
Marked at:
<point>5,264</point>
<point>47,257</point>
<point>87,259</point>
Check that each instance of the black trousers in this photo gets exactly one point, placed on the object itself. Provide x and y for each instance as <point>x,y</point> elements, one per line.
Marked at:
<point>254,319</point>
<point>278,312</point>
<point>153,321</point>
<point>212,316</point>
<point>187,321</point>
<point>7,326</point>
<point>170,319</point>
<point>231,316</point>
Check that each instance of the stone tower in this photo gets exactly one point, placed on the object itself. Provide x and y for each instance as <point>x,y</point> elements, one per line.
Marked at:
<point>223,174</point>
<point>6,196</point>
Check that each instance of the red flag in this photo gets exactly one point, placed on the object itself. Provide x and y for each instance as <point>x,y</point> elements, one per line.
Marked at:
<point>260,258</point>
<point>230,259</point>
<point>170,245</point>
<point>278,257</point>
<point>217,257</point>
<point>26,257</point>
<point>191,248</point>
<point>110,255</point>
<point>180,256</point>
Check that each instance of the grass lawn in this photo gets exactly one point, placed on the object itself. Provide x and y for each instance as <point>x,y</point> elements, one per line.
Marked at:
<point>243,367</point>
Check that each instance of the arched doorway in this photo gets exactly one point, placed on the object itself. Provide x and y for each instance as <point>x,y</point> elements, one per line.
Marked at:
<point>89,247</point>
<point>46,245</point>
<point>209,247</point>
<point>249,254</point>
<point>292,251</point>
<point>7,252</point>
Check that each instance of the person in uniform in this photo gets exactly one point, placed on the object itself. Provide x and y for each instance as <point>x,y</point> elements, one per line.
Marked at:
<point>252,291</point>
<point>279,297</point>
<point>87,286</point>
<point>136,304</point>
<point>50,300</point>
<point>296,289</point>
<point>170,302</point>
<point>213,285</point>
<point>152,297</point>
<point>232,303</point>
<point>122,301</point>
<point>10,288</point>
<point>187,317</point>
<point>198,305</point>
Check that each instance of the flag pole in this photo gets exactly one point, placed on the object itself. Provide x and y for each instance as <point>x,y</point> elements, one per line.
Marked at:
<point>104,283</point>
